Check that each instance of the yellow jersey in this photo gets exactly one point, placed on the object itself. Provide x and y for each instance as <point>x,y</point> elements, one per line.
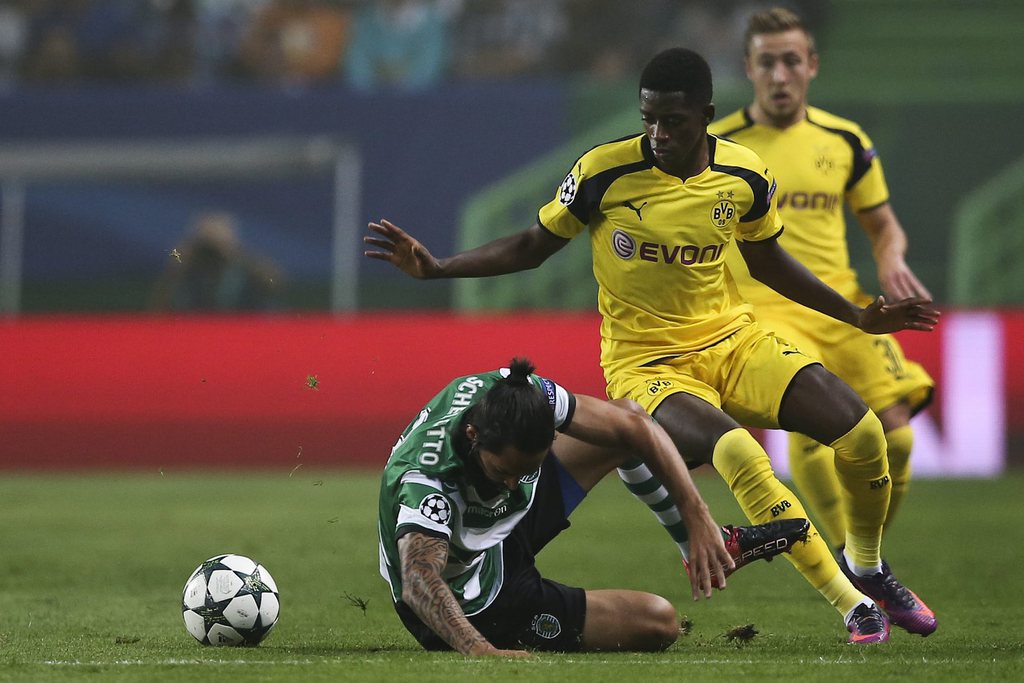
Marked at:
<point>659,244</point>
<point>820,163</point>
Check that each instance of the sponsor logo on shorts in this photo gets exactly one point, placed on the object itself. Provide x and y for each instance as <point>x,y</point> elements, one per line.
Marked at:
<point>780,507</point>
<point>656,386</point>
<point>880,483</point>
<point>546,626</point>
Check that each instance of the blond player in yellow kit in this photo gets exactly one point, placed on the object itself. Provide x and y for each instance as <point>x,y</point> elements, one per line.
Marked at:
<point>823,163</point>
<point>663,208</point>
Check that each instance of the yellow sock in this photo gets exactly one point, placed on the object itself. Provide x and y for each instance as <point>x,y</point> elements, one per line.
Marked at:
<point>842,594</point>
<point>745,467</point>
<point>813,467</point>
<point>863,471</point>
<point>899,444</point>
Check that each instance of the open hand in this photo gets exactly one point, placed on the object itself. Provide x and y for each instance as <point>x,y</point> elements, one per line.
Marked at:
<point>709,559</point>
<point>913,313</point>
<point>898,280</point>
<point>401,250</point>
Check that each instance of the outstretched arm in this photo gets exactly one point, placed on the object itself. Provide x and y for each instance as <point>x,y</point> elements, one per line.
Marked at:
<point>423,558</point>
<point>521,251</point>
<point>889,247</point>
<point>769,263</point>
<point>623,429</point>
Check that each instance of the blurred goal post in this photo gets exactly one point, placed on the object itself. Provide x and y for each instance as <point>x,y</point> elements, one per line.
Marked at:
<point>22,164</point>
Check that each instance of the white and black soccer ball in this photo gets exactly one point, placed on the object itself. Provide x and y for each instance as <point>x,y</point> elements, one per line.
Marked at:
<point>230,600</point>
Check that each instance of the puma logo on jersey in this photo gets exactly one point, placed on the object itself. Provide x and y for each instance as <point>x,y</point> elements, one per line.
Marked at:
<point>637,210</point>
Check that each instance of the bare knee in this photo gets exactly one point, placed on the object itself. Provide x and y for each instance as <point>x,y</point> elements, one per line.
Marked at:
<point>895,416</point>
<point>664,623</point>
<point>625,620</point>
<point>820,405</point>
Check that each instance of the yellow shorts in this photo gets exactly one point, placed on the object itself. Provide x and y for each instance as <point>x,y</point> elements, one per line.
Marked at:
<point>873,365</point>
<point>745,375</point>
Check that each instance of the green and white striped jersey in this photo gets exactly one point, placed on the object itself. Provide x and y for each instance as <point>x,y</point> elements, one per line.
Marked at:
<point>431,486</point>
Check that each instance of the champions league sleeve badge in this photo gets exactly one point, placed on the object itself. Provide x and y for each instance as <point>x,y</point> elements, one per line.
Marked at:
<point>567,191</point>
<point>436,508</point>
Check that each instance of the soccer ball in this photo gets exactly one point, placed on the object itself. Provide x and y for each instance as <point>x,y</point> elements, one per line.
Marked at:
<point>230,600</point>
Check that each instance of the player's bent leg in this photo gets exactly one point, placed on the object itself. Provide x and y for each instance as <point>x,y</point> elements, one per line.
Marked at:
<point>678,414</point>
<point>694,425</point>
<point>862,467</point>
<point>745,466</point>
<point>587,464</point>
<point>813,468</point>
<point>645,487</point>
<point>628,620</point>
<point>822,406</point>
<point>899,442</point>
<point>704,433</point>
<point>812,401</point>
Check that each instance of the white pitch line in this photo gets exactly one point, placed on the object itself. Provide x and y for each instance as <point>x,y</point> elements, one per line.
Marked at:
<point>548,661</point>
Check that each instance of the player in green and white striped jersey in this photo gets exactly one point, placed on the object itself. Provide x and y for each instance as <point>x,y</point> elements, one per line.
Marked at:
<point>478,484</point>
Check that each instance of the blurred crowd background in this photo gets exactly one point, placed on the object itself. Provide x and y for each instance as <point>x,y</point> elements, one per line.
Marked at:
<point>461,116</point>
<point>367,44</point>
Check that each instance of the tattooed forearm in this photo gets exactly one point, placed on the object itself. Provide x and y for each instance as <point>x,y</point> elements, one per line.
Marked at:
<point>423,559</point>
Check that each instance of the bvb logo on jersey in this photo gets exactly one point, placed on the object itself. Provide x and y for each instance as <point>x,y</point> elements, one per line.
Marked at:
<point>824,163</point>
<point>567,191</point>
<point>723,213</point>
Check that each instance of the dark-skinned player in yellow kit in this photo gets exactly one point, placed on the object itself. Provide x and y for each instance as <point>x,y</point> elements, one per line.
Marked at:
<point>663,209</point>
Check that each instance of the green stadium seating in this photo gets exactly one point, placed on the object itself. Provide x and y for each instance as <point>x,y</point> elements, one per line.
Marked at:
<point>988,239</point>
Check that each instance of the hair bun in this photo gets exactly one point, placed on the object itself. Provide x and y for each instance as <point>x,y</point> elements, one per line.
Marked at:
<point>520,370</point>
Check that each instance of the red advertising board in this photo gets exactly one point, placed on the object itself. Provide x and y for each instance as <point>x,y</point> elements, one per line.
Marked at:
<point>236,391</point>
<point>183,392</point>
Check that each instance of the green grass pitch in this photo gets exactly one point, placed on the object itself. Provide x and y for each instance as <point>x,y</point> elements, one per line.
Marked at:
<point>92,568</point>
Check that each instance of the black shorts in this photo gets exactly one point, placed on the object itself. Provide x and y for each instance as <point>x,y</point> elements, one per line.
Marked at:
<point>530,611</point>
